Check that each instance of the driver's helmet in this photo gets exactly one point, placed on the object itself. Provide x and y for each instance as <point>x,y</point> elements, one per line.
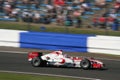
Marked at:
<point>58,52</point>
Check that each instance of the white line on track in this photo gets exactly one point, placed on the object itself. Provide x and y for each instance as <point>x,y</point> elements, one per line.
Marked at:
<point>31,73</point>
<point>19,52</point>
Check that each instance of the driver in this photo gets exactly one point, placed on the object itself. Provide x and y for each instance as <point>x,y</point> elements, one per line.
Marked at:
<point>59,52</point>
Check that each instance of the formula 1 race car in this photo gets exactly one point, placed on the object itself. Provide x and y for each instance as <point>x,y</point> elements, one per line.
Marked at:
<point>57,58</point>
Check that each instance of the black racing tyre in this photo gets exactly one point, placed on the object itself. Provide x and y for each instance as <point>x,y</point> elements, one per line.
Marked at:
<point>36,62</point>
<point>85,64</point>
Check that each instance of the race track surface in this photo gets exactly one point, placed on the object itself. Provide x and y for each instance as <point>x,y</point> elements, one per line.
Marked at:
<point>18,62</point>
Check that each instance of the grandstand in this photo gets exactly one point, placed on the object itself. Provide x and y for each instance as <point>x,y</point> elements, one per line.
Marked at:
<point>76,13</point>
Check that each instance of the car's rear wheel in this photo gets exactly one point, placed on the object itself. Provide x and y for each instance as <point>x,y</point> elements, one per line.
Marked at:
<point>85,64</point>
<point>36,62</point>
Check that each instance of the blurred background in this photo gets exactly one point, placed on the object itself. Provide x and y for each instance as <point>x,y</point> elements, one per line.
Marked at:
<point>101,17</point>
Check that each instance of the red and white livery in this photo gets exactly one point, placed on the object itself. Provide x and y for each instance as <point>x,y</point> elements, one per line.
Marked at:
<point>57,58</point>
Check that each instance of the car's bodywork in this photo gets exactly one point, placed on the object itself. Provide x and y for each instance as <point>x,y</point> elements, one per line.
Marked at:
<point>56,58</point>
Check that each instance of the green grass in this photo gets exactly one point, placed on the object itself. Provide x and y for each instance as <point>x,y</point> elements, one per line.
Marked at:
<point>13,76</point>
<point>54,28</point>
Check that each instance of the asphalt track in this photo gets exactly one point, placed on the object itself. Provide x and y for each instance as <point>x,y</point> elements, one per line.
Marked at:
<point>18,62</point>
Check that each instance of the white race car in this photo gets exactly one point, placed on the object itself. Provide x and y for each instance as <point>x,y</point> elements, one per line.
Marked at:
<point>57,58</point>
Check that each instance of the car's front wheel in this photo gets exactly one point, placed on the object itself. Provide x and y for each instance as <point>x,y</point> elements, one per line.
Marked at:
<point>85,64</point>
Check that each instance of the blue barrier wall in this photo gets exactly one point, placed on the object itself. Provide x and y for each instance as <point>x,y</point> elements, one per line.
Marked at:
<point>54,41</point>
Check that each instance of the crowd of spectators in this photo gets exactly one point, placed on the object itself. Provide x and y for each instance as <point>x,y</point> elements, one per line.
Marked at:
<point>65,14</point>
<point>109,18</point>
<point>32,11</point>
<point>68,14</point>
<point>11,7</point>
